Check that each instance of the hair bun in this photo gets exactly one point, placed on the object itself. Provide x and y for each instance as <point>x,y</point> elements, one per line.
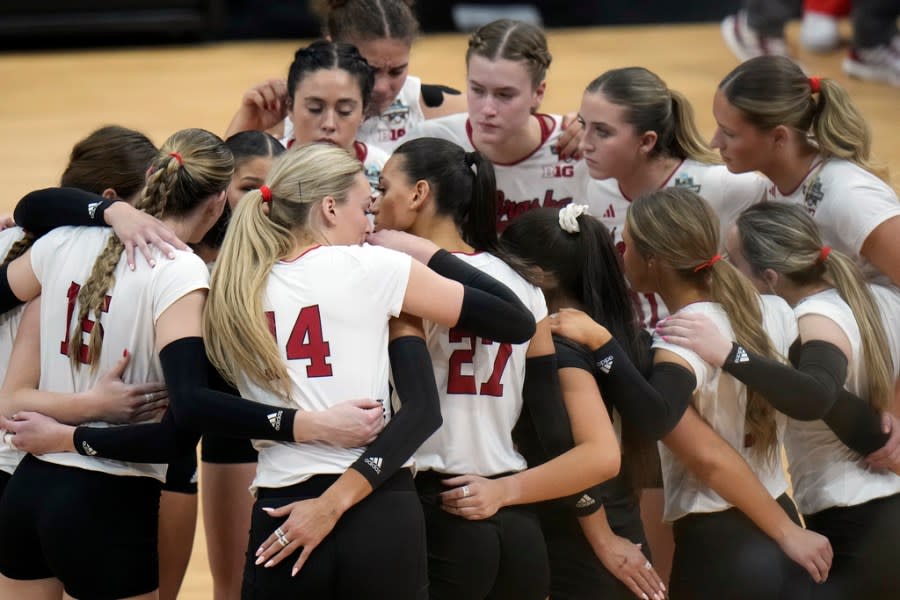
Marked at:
<point>470,158</point>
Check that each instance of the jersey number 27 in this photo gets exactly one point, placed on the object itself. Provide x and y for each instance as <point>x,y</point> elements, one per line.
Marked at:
<point>457,383</point>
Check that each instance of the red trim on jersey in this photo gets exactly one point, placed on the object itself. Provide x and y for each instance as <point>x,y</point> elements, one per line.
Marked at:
<point>664,183</point>
<point>301,255</point>
<point>290,143</point>
<point>473,253</point>
<point>546,131</point>
<point>815,165</point>
<point>362,151</point>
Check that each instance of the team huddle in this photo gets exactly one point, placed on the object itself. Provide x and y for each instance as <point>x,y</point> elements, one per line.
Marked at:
<point>453,345</point>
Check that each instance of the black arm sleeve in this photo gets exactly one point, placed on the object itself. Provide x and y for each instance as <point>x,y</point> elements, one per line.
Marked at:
<point>144,443</point>
<point>653,406</point>
<point>433,94</point>
<point>196,406</point>
<point>419,415</point>
<point>43,210</point>
<point>813,390</point>
<point>8,299</point>
<point>489,308</point>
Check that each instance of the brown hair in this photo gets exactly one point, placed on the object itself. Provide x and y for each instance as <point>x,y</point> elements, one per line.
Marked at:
<point>772,91</point>
<point>349,20</point>
<point>680,229</point>
<point>515,41</point>
<point>110,157</point>
<point>651,106</point>
<point>191,165</point>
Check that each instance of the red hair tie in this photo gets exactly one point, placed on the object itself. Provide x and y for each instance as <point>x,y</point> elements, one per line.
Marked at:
<point>815,84</point>
<point>177,157</point>
<point>708,264</point>
<point>823,253</point>
<point>266,194</point>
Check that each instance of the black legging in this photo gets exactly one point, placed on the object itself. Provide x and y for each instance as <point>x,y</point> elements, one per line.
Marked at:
<point>376,550</point>
<point>499,558</point>
<point>864,539</point>
<point>724,555</point>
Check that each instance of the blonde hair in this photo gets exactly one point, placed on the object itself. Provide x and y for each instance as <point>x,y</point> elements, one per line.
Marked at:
<point>680,229</point>
<point>175,187</point>
<point>785,239</point>
<point>515,41</point>
<point>235,327</point>
<point>651,106</point>
<point>772,91</point>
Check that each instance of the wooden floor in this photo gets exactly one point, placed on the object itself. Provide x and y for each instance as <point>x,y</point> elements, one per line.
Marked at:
<point>49,100</point>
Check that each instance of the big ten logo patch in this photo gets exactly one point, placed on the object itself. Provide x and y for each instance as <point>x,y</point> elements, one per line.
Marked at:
<point>373,174</point>
<point>562,168</point>
<point>394,118</point>
<point>687,182</point>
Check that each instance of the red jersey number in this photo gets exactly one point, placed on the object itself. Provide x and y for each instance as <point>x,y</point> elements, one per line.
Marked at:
<point>457,383</point>
<point>87,325</point>
<point>306,341</point>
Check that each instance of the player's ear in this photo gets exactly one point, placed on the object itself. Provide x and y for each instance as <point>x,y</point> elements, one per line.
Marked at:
<point>423,193</point>
<point>327,208</point>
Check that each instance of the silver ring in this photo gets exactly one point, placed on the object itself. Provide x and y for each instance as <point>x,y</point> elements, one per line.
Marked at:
<point>283,541</point>
<point>8,438</point>
<point>279,532</point>
<point>648,566</point>
<point>148,398</point>
<point>465,491</point>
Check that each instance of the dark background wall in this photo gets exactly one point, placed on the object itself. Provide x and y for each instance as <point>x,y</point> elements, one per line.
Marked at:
<point>39,23</point>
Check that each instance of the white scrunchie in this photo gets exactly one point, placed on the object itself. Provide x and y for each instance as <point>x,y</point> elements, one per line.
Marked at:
<point>568,217</point>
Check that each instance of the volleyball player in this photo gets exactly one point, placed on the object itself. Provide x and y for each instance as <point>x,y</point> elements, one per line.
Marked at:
<point>31,510</point>
<point>472,481</point>
<point>507,63</point>
<point>845,345</point>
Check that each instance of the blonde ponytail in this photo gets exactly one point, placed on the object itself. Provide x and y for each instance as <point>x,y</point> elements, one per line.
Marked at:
<point>784,238</point>
<point>688,142</point>
<point>772,91</point>
<point>680,229</point>
<point>235,328</point>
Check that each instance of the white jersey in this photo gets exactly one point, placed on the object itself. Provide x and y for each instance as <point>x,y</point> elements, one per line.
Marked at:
<point>824,471</point>
<point>9,325</point>
<point>722,401</point>
<point>847,203</point>
<point>372,158</point>
<point>329,310</point>
<point>480,385</point>
<point>62,261</point>
<point>539,180</point>
<point>727,193</point>
<point>389,129</point>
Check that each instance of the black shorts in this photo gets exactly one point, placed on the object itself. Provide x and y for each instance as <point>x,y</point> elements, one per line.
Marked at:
<point>95,532</point>
<point>181,476</point>
<point>220,449</point>
<point>376,551</point>
<point>576,572</point>
<point>500,558</point>
<point>4,479</point>
<point>724,555</point>
<point>864,539</point>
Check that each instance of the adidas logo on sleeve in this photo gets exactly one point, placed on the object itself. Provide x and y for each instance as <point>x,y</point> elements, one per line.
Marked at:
<point>741,356</point>
<point>375,463</point>
<point>87,449</point>
<point>585,501</point>
<point>275,420</point>
<point>606,364</point>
